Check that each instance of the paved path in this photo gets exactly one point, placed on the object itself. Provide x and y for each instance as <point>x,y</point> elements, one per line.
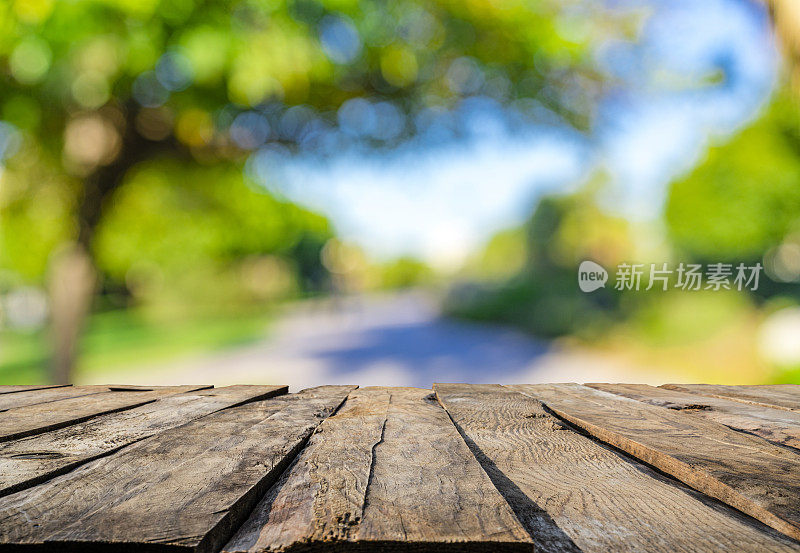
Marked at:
<point>393,340</point>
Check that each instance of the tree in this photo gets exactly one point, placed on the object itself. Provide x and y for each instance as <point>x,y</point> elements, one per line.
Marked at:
<point>543,297</point>
<point>786,16</point>
<point>744,197</point>
<point>742,202</point>
<point>93,89</point>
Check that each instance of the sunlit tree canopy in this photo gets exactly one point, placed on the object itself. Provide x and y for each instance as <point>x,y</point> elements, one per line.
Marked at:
<point>91,88</point>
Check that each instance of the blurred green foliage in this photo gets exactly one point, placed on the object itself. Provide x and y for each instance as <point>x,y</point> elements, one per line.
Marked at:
<point>125,126</point>
<point>196,57</point>
<point>741,204</point>
<point>675,318</point>
<point>501,257</point>
<point>94,88</point>
<point>404,272</point>
<point>543,297</point>
<point>169,216</point>
<point>744,198</point>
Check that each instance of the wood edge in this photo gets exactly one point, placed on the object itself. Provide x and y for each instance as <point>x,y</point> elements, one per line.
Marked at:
<point>273,390</point>
<point>680,388</point>
<point>277,390</point>
<point>239,512</point>
<point>694,478</point>
<point>64,424</point>
<point>398,546</point>
<point>34,389</point>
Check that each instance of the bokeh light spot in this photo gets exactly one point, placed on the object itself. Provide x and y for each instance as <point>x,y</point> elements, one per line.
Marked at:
<point>154,123</point>
<point>207,50</point>
<point>464,76</point>
<point>340,39</point>
<point>250,130</point>
<point>389,121</point>
<point>148,91</point>
<point>30,60</point>
<point>194,127</point>
<point>357,117</point>
<point>174,71</point>
<point>90,90</point>
<point>782,263</point>
<point>399,66</point>
<point>9,140</point>
<point>89,141</point>
<point>294,123</point>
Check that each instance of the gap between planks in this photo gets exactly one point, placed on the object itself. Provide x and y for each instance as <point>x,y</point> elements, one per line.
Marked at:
<point>387,472</point>
<point>777,396</point>
<point>167,492</point>
<point>38,417</point>
<point>399,441</point>
<point>13,389</point>
<point>741,470</point>
<point>35,459</point>
<point>778,426</point>
<point>600,499</point>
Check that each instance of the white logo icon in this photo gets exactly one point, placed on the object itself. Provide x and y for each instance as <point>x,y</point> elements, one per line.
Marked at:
<point>591,276</point>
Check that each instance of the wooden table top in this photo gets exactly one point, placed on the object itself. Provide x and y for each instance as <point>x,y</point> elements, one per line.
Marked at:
<point>546,468</point>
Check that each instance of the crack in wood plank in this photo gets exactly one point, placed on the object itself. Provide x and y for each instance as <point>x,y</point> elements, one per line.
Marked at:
<point>599,499</point>
<point>393,468</point>
<point>167,492</point>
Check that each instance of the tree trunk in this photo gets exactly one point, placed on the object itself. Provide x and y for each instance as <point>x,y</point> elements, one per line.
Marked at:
<point>73,275</point>
<point>71,281</point>
<point>786,15</point>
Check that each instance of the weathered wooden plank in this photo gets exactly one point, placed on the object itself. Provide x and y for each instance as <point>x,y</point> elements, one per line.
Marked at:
<point>24,398</point>
<point>13,389</point>
<point>427,487</point>
<point>332,467</point>
<point>779,396</point>
<point>184,489</point>
<point>389,471</point>
<point>29,461</point>
<point>744,471</point>
<point>42,417</point>
<point>776,425</point>
<point>575,494</point>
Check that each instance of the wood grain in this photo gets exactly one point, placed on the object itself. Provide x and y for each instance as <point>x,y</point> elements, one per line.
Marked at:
<point>42,417</point>
<point>778,396</point>
<point>13,389</point>
<point>24,398</point>
<point>388,472</point>
<point>746,472</point>
<point>184,489</point>
<point>32,460</point>
<point>776,425</point>
<point>575,494</point>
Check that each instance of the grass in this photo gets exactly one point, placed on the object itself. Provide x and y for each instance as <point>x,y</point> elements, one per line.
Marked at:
<point>127,338</point>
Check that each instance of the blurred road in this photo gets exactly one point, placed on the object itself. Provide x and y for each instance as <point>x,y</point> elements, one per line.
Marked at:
<point>391,340</point>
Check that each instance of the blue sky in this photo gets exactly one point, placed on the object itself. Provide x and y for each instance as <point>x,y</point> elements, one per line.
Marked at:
<point>440,199</point>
